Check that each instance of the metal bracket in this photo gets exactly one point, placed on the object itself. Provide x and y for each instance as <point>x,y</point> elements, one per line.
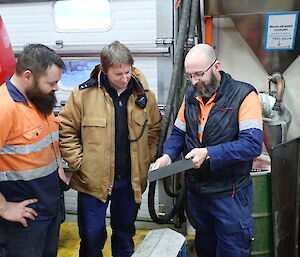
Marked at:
<point>164,41</point>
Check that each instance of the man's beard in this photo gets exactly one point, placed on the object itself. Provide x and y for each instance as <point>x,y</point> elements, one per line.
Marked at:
<point>207,90</point>
<point>44,103</point>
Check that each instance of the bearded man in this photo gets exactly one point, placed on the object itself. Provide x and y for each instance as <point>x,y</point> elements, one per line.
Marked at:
<point>219,126</point>
<point>30,164</point>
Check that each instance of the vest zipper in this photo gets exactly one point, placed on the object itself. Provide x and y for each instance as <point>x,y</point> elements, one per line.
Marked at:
<point>233,191</point>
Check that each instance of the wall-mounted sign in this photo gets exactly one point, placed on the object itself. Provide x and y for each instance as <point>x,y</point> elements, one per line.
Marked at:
<point>281,31</point>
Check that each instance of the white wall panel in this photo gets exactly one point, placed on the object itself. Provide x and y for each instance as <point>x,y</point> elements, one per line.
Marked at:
<point>148,65</point>
<point>133,22</point>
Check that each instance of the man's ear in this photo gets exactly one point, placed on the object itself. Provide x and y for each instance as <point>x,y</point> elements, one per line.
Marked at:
<point>217,65</point>
<point>27,75</point>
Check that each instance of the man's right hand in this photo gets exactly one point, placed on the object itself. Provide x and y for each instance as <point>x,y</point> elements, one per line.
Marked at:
<point>161,162</point>
<point>18,212</point>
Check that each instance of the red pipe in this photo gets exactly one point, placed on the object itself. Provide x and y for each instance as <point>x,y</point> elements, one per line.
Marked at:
<point>208,21</point>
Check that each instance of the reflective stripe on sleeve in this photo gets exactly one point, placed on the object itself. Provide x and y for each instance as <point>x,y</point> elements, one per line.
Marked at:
<point>249,124</point>
<point>179,124</point>
<point>28,175</point>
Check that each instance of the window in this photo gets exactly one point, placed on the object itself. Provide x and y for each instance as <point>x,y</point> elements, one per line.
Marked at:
<point>82,14</point>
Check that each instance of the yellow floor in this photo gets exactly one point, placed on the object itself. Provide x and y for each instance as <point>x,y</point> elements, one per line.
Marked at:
<point>69,240</point>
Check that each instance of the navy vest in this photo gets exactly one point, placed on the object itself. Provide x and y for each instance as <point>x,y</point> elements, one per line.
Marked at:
<point>222,126</point>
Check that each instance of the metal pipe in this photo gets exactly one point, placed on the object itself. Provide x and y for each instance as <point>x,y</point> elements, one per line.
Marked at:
<point>278,80</point>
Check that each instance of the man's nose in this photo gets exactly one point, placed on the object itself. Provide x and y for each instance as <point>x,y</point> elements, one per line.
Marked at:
<point>55,87</point>
<point>124,78</point>
<point>194,81</point>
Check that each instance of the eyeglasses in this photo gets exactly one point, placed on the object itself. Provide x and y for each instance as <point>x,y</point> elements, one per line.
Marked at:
<point>199,74</point>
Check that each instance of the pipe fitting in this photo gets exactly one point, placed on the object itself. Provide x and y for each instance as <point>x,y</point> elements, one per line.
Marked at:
<point>278,80</point>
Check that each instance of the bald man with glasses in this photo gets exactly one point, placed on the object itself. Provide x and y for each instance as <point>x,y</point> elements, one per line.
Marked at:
<point>219,126</point>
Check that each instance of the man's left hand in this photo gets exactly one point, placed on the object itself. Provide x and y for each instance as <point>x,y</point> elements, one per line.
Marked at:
<point>61,172</point>
<point>198,156</point>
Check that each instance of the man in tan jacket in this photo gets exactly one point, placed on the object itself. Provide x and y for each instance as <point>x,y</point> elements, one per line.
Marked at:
<point>109,133</point>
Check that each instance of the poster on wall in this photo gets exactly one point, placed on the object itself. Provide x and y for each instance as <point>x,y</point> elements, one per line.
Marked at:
<point>281,31</point>
<point>77,71</point>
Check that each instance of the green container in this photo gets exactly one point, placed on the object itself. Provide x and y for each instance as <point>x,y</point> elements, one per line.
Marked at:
<point>262,246</point>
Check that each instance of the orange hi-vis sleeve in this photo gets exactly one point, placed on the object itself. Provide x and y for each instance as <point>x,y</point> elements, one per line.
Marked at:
<point>203,115</point>
<point>28,140</point>
<point>250,113</point>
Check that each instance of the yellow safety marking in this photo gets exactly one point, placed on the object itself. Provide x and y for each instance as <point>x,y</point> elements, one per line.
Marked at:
<point>69,240</point>
<point>190,237</point>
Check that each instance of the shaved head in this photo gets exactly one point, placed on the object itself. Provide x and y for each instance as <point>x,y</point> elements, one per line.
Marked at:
<point>201,53</point>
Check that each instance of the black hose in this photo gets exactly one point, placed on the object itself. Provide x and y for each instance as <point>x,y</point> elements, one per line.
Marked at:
<point>167,183</point>
<point>171,213</point>
<point>198,27</point>
<point>193,21</point>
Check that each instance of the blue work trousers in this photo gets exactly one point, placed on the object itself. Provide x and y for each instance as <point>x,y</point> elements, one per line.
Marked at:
<point>92,227</point>
<point>224,226</point>
<point>39,239</point>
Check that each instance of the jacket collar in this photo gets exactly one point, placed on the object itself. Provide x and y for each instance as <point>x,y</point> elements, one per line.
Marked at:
<point>225,80</point>
<point>15,93</point>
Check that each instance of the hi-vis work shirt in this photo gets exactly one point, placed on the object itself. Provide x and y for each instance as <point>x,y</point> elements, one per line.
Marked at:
<point>245,148</point>
<point>28,153</point>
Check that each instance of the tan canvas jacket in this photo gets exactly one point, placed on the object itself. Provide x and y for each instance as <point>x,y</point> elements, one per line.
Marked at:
<point>87,139</point>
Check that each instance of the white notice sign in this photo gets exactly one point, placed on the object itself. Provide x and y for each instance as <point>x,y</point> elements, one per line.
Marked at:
<point>281,31</point>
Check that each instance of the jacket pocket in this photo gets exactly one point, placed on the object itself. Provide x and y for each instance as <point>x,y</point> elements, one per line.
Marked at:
<point>94,130</point>
<point>33,134</point>
<point>140,126</point>
<point>240,232</point>
<point>246,233</point>
<point>94,122</point>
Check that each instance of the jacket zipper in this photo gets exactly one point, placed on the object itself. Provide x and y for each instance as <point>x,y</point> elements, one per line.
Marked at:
<point>110,190</point>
